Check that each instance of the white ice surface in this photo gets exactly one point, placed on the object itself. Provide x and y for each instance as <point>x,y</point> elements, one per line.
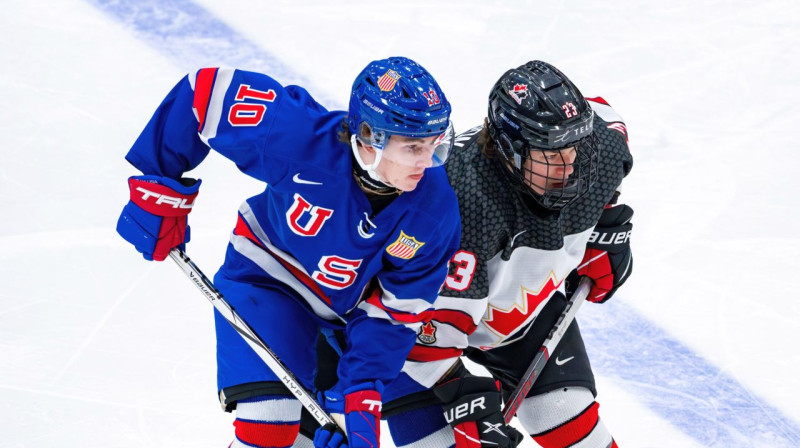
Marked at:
<point>100,348</point>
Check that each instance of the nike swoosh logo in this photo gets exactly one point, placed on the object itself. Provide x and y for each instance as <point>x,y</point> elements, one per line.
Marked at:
<point>297,179</point>
<point>561,362</point>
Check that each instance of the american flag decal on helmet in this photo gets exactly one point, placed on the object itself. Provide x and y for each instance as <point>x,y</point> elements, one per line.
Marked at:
<point>388,80</point>
<point>405,247</point>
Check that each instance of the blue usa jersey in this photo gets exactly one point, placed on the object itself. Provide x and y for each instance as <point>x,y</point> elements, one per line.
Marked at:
<point>312,231</point>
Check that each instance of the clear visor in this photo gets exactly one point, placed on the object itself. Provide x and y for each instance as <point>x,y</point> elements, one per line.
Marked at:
<point>414,151</point>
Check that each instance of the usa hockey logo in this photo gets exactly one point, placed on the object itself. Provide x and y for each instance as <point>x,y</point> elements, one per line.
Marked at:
<point>427,333</point>
<point>388,80</point>
<point>405,247</point>
<point>519,92</point>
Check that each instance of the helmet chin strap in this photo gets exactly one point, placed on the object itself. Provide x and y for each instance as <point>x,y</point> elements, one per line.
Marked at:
<point>370,170</point>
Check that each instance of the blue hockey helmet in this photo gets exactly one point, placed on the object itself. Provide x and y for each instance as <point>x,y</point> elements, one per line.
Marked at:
<point>398,96</point>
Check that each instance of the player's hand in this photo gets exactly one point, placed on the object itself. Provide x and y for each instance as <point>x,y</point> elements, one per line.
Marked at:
<point>154,220</point>
<point>358,410</point>
<point>608,259</point>
<point>472,406</point>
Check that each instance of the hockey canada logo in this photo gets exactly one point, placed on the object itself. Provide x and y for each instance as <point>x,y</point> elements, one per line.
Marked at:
<point>427,333</point>
<point>519,92</point>
<point>405,247</point>
<point>388,80</point>
<point>504,322</point>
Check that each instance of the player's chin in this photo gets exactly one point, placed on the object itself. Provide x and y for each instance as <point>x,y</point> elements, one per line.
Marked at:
<point>409,183</point>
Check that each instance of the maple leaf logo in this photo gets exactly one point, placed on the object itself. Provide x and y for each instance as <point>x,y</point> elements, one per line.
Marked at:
<point>427,333</point>
<point>504,322</point>
<point>519,92</point>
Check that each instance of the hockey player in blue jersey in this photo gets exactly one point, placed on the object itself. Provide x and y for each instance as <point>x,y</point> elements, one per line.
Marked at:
<point>353,231</point>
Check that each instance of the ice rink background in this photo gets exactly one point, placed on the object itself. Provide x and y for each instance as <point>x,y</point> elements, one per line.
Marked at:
<point>100,348</point>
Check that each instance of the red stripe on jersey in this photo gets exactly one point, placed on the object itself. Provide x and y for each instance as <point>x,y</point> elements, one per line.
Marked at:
<point>400,316</point>
<point>261,434</point>
<point>242,229</point>
<point>202,93</point>
<point>619,127</point>
<point>424,353</point>
<point>458,319</point>
<point>571,431</point>
<point>598,99</point>
<point>467,435</point>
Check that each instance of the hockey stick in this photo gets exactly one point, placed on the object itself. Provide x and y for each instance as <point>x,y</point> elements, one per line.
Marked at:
<point>550,343</point>
<point>253,340</point>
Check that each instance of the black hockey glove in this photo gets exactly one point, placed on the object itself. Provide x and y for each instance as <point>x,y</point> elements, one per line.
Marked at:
<point>608,259</point>
<point>473,407</point>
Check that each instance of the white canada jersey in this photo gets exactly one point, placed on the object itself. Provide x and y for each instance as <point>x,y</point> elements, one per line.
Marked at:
<point>511,260</point>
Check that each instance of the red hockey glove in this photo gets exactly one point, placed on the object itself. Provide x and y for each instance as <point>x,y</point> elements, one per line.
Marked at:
<point>608,259</point>
<point>358,410</point>
<point>154,220</point>
<point>472,406</point>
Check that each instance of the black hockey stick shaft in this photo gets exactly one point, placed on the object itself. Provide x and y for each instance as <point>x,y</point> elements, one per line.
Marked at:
<point>253,340</point>
<point>553,338</point>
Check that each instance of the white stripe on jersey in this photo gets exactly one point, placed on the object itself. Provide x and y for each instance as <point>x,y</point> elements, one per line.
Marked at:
<point>428,373</point>
<point>449,335</point>
<point>215,102</point>
<point>258,231</point>
<point>275,269</point>
<point>606,112</point>
<point>193,78</point>
<point>378,313</point>
<point>413,306</point>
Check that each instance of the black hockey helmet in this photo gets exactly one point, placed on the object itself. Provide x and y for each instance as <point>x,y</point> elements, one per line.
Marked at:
<point>534,107</point>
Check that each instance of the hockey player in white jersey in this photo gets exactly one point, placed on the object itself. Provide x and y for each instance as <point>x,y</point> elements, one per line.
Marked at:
<point>537,186</point>
<point>353,231</point>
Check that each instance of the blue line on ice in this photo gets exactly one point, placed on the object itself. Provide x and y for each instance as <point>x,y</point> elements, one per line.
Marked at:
<point>679,385</point>
<point>193,38</point>
<point>668,377</point>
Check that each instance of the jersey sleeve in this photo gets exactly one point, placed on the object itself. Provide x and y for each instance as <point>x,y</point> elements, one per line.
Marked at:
<point>617,140</point>
<point>443,337</point>
<point>247,117</point>
<point>392,314</point>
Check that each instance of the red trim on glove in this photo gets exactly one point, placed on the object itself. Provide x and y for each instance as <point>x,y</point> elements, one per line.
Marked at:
<point>467,435</point>
<point>159,199</point>
<point>597,266</point>
<point>365,404</point>
<point>171,234</point>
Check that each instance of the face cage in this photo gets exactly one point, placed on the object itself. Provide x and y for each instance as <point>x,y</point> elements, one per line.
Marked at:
<point>442,145</point>
<point>558,192</point>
